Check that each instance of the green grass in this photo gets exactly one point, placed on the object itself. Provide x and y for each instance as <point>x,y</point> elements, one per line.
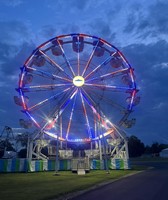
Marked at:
<point>44,185</point>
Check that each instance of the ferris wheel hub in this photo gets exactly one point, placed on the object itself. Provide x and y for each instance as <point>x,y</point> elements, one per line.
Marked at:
<point>78,81</point>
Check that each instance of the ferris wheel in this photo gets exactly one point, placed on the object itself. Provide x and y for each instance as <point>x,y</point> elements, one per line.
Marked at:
<point>77,88</point>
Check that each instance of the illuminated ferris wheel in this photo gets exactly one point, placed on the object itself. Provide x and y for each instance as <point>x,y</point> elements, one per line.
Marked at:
<point>77,88</point>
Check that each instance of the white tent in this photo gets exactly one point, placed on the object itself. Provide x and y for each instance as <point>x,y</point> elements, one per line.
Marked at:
<point>164,153</point>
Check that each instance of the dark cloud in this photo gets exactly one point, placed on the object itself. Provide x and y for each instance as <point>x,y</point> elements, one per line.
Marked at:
<point>134,17</point>
<point>101,28</point>
<point>7,51</point>
<point>11,64</point>
<point>14,32</point>
<point>48,31</point>
<point>151,71</point>
<point>131,23</point>
<point>158,16</point>
<point>16,44</point>
<point>9,75</point>
<point>79,4</point>
<point>151,23</point>
<point>12,3</point>
<point>113,10</point>
<point>9,111</point>
<point>72,5</point>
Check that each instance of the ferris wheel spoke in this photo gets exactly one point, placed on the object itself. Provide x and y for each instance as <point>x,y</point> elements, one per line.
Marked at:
<point>91,103</point>
<point>65,103</point>
<point>71,115</point>
<point>110,87</point>
<point>100,116</point>
<point>53,63</point>
<point>105,123</point>
<point>35,88</point>
<point>78,58</point>
<point>109,75</point>
<point>66,60</point>
<point>58,112</point>
<point>107,60</point>
<point>88,96</point>
<point>109,101</point>
<point>45,101</point>
<point>86,115</point>
<point>90,58</point>
<point>46,74</point>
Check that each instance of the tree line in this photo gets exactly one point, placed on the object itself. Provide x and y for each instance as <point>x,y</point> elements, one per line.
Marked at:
<point>137,148</point>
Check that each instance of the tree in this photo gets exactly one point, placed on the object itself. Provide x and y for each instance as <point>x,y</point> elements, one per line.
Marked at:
<point>135,146</point>
<point>22,153</point>
<point>163,146</point>
<point>156,148</point>
<point>1,153</point>
<point>6,145</point>
<point>45,151</point>
<point>22,139</point>
<point>148,149</point>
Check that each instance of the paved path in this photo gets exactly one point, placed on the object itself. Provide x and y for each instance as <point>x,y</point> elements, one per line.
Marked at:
<point>148,185</point>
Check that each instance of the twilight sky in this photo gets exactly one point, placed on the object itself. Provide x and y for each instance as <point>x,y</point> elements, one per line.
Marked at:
<point>138,28</point>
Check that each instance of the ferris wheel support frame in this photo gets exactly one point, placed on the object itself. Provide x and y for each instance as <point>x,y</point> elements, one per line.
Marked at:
<point>116,150</point>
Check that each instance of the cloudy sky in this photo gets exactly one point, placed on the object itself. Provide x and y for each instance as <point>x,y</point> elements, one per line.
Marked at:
<point>138,28</point>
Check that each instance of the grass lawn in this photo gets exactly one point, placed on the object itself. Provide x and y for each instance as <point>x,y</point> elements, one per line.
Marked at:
<point>44,185</point>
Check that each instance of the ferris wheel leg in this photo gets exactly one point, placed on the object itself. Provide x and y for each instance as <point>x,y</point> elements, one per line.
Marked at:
<point>100,154</point>
<point>126,149</point>
<point>30,150</point>
<point>100,149</point>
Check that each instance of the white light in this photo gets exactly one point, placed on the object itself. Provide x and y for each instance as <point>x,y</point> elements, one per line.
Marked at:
<point>49,121</point>
<point>107,121</point>
<point>78,81</point>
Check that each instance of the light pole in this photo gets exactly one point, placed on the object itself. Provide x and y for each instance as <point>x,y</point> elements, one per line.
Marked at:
<point>57,149</point>
<point>56,163</point>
